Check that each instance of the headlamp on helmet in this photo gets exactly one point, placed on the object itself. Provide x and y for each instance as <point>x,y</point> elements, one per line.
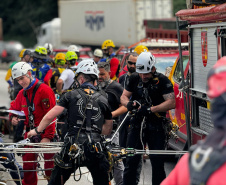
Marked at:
<point>145,62</point>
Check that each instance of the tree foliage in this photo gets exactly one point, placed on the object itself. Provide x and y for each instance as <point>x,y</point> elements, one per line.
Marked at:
<point>21,18</point>
<point>178,5</point>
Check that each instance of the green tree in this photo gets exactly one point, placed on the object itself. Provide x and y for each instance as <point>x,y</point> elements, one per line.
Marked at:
<point>178,5</point>
<point>22,18</point>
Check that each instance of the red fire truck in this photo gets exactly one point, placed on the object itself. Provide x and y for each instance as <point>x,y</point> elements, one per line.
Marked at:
<point>206,23</point>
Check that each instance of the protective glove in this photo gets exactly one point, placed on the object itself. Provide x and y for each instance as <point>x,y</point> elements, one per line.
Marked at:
<point>131,107</point>
<point>144,111</point>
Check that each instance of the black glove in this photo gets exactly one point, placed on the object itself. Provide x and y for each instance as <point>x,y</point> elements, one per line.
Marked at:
<point>144,110</point>
<point>36,139</point>
<point>131,107</point>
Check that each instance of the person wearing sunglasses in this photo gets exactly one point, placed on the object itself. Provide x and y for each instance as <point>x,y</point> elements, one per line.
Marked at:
<point>131,60</point>
<point>152,95</point>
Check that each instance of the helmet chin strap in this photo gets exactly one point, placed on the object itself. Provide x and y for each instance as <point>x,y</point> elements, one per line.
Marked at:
<point>77,83</point>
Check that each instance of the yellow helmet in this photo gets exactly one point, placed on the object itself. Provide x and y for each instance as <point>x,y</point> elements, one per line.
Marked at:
<point>40,52</point>
<point>107,43</point>
<point>141,48</point>
<point>60,56</point>
<point>22,53</point>
<point>60,59</point>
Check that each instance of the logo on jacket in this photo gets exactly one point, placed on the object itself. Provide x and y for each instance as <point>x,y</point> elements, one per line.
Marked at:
<point>46,103</point>
<point>94,19</point>
<point>204,48</point>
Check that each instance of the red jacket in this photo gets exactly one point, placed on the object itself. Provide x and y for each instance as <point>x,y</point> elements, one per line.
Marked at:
<point>180,174</point>
<point>44,100</point>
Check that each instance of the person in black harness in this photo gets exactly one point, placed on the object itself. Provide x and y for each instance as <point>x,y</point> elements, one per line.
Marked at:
<point>89,116</point>
<point>152,95</point>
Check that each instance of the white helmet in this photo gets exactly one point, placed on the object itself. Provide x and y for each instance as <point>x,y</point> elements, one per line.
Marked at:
<point>73,48</point>
<point>145,62</point>
<point>20,69</point>
<point>49,47</point>
<point>87,67</point>
<point>98,53</point>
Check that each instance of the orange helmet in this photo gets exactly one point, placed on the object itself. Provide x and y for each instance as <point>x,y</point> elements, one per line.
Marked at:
<point>139,49</point>
<point>60,58</point>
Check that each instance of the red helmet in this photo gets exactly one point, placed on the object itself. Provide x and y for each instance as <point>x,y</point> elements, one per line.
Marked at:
<point>216,79</point>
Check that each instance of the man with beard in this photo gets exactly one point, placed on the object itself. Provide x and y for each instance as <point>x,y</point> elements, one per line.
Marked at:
<point>131,60</point>
<point>114,91</point>
<point>152,95</point>
<point>109,56</point>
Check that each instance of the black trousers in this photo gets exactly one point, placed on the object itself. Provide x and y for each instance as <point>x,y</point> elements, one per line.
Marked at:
<point>156,141</point>
<point>60,175</point>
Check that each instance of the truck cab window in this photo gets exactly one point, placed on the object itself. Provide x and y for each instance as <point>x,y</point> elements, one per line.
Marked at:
<point>177,73</point>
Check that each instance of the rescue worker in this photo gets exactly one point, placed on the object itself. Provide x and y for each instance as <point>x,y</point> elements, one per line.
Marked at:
<point>114,91</point>
<point>89,115</point>
<point>108,50</point>
<point>35,100</point>
<point>14,89</point>
<point>60,62</point>
<point>98,54</point>
<point>140,48</point>
<point>41,70</point>
<point>67,77</point>
<point>152,95</point>
<point>205,163</point>
<point>124,80</point>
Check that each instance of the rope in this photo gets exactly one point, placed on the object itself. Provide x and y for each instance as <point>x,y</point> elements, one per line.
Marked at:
<point>35,161</point>
<point>30,150</point>
<point>148,152</point>
<point>36,144</point>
